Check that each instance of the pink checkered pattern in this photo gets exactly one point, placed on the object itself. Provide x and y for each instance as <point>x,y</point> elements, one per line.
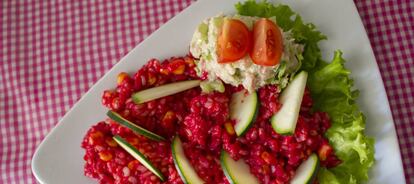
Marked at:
<point>390,27</point>
<point>53,51</point>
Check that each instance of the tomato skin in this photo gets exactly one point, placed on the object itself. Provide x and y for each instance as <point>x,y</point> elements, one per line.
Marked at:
<point>233,42</point>
<point>267,43</point>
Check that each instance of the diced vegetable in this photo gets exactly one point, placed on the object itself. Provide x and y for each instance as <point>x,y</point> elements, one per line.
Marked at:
<point>284,121</point>
<point>164,90</point>
<point>135,128</point>
<point>244,108</point>
<point>307,171</point>
<point>139,156</point>
<point>183,166</point>
<point>237,172</point>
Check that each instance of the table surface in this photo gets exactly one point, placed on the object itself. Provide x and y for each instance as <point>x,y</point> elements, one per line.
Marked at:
<point>52,52</point>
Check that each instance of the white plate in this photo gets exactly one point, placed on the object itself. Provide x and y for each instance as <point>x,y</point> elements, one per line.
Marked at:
<point>59,159</point>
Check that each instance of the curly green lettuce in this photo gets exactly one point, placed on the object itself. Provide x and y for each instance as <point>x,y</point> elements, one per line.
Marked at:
<point>332,90</point>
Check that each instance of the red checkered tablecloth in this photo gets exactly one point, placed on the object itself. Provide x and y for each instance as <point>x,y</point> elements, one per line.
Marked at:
<point>52,52</point>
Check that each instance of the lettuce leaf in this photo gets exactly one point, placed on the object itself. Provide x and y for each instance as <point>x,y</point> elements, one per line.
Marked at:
<point>332,91</point>
<point>304,33</point>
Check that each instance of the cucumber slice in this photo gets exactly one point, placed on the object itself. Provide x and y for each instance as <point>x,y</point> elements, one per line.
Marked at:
<point>237,172</point>
<point>183,166</point>
<point>211,86</point>
<point>284,121</point>
<point>307,171</point>
<point>243,109</point>
<point>135,128</point>
<point>162,91</point>
<point>139,156</point>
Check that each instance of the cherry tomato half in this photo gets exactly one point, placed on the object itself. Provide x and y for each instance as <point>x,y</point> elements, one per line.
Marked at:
<point>267,43</point>
<point>233,42</point>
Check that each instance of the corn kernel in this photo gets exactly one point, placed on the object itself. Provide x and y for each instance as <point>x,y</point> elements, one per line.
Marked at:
<point>108,93</point>
<point>164,71</point>
<point>324,151</point>
<point>189,61</point>
<point>95,136</point>
<point>168,116</point>
<point>132,164</point>
<point>105,155</point>
<point>134,141</point>
<point>152,78</point>
<point>266,157</point>
<point>121,77</point>
<point>229,128</point>
<point>142,151</point>
<point>111,142</point>
<point>179,70</point>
